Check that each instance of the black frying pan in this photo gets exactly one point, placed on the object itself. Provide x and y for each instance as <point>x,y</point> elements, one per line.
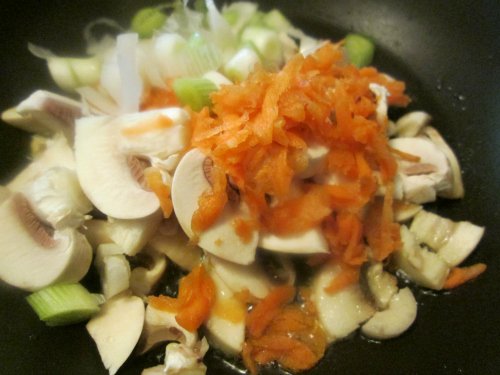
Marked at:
<point>447,52</point>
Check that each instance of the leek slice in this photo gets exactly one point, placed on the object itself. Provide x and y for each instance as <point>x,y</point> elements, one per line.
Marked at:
<point>359,50</point>
<point>63,304</point>
<point>194,92</point>
<point>148,20</point>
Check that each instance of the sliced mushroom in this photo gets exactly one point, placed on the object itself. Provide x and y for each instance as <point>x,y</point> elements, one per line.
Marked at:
<point>181,359</point>
<point>113,268</point>
<point>456,189</point>
<point>4,194</point>
<point>423,179</point>
<point>56,154</point>
<point>177,247</point>
<point>116,329</point>
<point>57,198</point>
<point>339,313</point>
<point>404,211</point>
<point>221,239</point>
<point>378,285</point>
<point>144,278</point>
<point>131,235</point>
<point>396,319</point>
<point>44,112</point>
<point>240,277</point>
<point>309,242</point>
<point>158,133</point>
<point>34,255</point>
<point>226,323</point>
<point>104,172</point>
<point>422,266</point>
<point>161,326</point>
<point>453,241</point>
<point>412,123</point>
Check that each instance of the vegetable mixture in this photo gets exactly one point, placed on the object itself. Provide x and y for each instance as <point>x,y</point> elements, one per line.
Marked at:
<point>231,146</point>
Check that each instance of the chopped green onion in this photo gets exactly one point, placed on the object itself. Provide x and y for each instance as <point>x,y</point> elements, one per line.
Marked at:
<point>276,20</point>
<point>72,73</point>
<point>147,20</point>
<point>238,14</point>
<point>194,92</point>
<point>63,304</point>
<point>267,42</point>
<point>200,6</point>
<point>242,64</point>
<point>359,50</point>
<point>257,19</point>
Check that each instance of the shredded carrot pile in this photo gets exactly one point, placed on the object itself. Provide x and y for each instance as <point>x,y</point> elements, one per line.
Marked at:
<point>195,299</point>
<point>258,132</point>
<point>281,331</point>
<point>461,275</point>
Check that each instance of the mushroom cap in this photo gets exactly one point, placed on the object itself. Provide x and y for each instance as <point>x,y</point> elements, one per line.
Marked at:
<point>309,242</point>
<point>395,320</point>
<point>31,258</point>
<point>116,329</point>
<point>342,312</point>
<point>104,172</point>
<point>221,239</point>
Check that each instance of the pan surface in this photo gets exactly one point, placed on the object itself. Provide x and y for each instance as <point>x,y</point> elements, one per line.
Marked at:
<point>446,51</point>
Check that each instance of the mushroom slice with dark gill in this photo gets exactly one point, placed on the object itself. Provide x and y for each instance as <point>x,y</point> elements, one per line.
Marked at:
<point>33,254</point>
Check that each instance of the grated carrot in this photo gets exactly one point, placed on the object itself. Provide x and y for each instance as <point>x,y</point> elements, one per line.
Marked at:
<point>195,299</point>
<point>264,311</point>
<point>258,132</point>
<point>155,182</point>
<point>292,337</point>
<point>405,156</point>
<point>347,276</point>
<point>212,200</point>
<point>461,275</point>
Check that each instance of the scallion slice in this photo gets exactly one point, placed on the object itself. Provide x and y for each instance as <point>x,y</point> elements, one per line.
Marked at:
<point>63,304</point>
<point>359,50</point>
<point>194,92</point>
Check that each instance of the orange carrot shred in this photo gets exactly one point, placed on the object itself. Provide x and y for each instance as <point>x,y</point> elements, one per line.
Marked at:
<point>155,182</point>
<point>195,299</point>
<point>347,276</point>
<point>157,123</point>
<point>258,132</point>
<point>461,275</point>
<point>263,312</point>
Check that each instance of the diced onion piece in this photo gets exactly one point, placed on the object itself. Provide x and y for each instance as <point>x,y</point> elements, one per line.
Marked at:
<point>63,304</point>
